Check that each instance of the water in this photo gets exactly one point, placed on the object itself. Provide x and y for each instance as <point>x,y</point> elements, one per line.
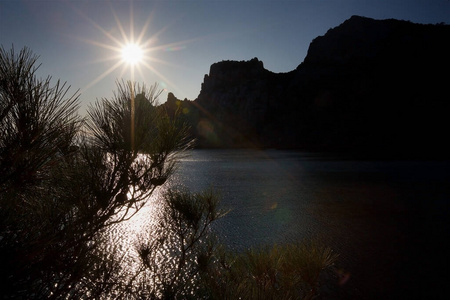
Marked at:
<point>387,219</point>
<point>268,193</point>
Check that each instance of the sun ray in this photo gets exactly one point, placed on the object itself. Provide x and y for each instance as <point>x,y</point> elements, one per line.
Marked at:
<point>148,44</point>
<point>103,75</point>
<point>160,61</point>
<point>131,22</point>
<point>119,25</point>
<point>154,70</point>
<point>174,44</point>
<point>144,30</point>
<point>140,72</point>
<point>106,59</point>
<point>106,33</point>
<point>99,44</point>
<point>103,31</point>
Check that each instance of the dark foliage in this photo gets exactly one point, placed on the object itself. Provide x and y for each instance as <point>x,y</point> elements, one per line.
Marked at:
<point>64,181</point>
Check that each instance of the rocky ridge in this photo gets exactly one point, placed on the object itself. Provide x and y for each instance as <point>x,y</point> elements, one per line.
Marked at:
<point>367,87</point>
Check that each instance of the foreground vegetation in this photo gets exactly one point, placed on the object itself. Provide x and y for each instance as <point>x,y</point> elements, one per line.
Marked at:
<point>67,181</point>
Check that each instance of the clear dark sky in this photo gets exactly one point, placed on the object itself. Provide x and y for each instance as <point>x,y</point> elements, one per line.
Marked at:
<point>80,41</point>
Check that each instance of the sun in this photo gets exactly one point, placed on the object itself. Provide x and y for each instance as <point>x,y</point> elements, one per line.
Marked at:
<point>132,54</point>
<point>131,51</point>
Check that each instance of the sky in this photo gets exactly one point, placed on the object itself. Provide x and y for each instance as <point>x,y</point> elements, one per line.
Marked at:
<point>80,42</point>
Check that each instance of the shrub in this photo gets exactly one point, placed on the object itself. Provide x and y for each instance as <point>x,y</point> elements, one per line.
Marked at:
<point>65,181</point>
<point>288,271</point>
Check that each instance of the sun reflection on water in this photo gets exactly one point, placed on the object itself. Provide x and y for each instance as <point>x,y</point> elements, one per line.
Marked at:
<point>127,232</point>
<point>145,231</point>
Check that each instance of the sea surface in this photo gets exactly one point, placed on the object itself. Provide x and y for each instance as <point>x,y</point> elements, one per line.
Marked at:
<point>388,220</point>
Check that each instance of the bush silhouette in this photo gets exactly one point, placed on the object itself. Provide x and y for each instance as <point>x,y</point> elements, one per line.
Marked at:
<point>65,181</point>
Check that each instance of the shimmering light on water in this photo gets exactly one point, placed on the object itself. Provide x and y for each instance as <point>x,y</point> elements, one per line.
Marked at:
<point>364,210</point>
<point>276,196</point>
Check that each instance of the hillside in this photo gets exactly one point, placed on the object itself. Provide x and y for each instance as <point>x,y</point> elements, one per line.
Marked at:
<point>366,87</point>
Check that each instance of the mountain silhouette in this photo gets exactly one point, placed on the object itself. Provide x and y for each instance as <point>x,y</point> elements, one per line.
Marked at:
<point>373,88</point>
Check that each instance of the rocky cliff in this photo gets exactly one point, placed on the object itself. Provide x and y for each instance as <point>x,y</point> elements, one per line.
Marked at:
<point>375,87</point>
